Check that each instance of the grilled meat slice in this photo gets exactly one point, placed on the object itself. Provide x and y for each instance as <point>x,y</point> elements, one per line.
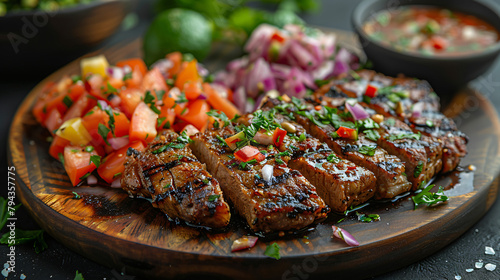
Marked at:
<point>178,184</point>
<point>339,182</point>
<point>400,97</point>
<point>388,169</point>
<point>420,154</point>
<point>286,202</point>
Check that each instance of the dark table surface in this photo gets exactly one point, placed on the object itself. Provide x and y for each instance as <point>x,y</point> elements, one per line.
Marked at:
<point>58,262</point>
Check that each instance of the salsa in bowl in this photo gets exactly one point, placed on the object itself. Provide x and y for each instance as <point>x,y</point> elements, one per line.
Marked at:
<point>429,39</point>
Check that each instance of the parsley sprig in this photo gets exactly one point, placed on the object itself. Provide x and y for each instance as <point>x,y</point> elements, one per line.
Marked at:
<point>429,198</point>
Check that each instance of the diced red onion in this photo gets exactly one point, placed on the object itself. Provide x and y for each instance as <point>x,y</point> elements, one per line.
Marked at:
<point>263,138</point>
<point>92,180</point>
<point>163,65</point>
<point>259,72</point>
<point>115,72</point>
<point>115,101</point>
<point>202,70</point>
<point>118,142</point>
<point>417,110</point>
<point>239,99</point>
<point>267,172</point>
<point>244,243</point>
<point>304,59</point>
<point>190,130</point>
<point>344,235</point>
<point>357,111</point>
<point>104,104</point>
<point>325,71</point>
<point>116,184</point>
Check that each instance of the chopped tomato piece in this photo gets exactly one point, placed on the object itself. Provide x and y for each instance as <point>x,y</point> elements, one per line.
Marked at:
<point>113,165</point>
<point>166,118</point>
<point>63,101</point>
<point>143,124</point>
<point>371,91</point>
<point>57,146</point>
<point>196,114</point>
<point>192,90</point>
<point>135,64</point>
<point>277,37</point>
<point>189,73</point>
<point>248,153</point>
<point>220,103</point>
<point>122,124</point>
<point>346,132</point>
<point>439,43</point>
<point>77,163</point>
<point>53,120</point>
<point>81,106</point>
<point>136,80</point>
<point>278,136</point>
<point>130,99</point>
<point>154,81</point>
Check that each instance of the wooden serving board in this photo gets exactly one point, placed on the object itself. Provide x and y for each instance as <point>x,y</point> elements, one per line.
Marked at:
<point>108,227</point>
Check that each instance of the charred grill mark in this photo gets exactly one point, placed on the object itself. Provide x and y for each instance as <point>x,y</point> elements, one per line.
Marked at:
<point>335,93</point>
<point>159,168</point>
<point>389,166</point>
<point>349,148</point>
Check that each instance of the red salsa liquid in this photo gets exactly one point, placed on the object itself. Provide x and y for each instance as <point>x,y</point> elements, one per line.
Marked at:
<point>431,31</point>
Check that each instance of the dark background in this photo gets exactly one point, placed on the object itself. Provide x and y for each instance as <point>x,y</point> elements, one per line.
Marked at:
<point>57,262</point>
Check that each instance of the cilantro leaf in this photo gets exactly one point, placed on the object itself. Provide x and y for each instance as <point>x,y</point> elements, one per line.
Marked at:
<point>96,159</point>
<point>367,150</point>
<point>333,158</point>
<point>368,218</point>
<point>372,134</point>
<point>273,251</point>
<point>78,276</point>
<point>213,197</point>
<point>429,198</point>
<point>67,101</point>
<point>418,169</point>
<point>26,236</point>
<point>393,137</point>
<point>221,116</point>
<point>103,131</point>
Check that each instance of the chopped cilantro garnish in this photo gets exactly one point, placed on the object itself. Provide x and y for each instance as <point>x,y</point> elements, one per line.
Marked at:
<point>127,76</point>
<point>418,169</point>
<point>429,123</point>
<point>273,251</point>
<point>160,94</point>
<point>167,125</point>
<point>213,197</point>
<point>76,78</point>
<point>85,176</point>
<point>205,181</point>
<point>390,122</point>
<point>393,137</point>
<point>167,186</point>
<point>367,150</point>
<point>103,131</point>
<point>429,198</point>
<point>244,165</point>
<point>181,98</point>
<point>76,195</point>
<point>61,157</point>
<point>159,121</point>
<point>67,101</point>
<point>333,158</point>
<point>96,159</point>
<point>149,99</point>
<point>110,89</point>
<point>89,149</point>
<point>368,218</point>
<point>222,141</point>
<point>372,135</point>
<point>89,113</point>
<point>279,161</point>
<point>302,137</point>
<point>221,116</point>
<point>160,150</point>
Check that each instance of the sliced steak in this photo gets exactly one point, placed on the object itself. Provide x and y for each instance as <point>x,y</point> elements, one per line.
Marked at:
<point>388,169</point>
<point>288,201</point>
<point>339,182</point>
<point>178,184</point>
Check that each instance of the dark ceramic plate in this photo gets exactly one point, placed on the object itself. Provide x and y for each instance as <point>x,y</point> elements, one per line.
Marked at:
<point>110,228</point>
<point>31,41</point>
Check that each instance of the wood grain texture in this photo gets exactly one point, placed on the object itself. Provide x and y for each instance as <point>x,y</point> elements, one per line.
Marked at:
<point>110,228</point>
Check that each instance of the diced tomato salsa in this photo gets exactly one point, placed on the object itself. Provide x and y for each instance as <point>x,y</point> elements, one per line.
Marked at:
<point>92,115</point>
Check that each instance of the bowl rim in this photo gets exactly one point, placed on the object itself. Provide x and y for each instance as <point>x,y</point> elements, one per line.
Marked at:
<point>68,10</point>
<point>357,22</point>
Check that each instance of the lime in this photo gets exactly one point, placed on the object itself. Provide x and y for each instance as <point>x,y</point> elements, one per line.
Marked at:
<point>180,30</point>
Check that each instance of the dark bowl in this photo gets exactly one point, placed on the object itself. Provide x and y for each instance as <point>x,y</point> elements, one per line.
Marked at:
<point>35,40</point>
<point>445,74</point>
